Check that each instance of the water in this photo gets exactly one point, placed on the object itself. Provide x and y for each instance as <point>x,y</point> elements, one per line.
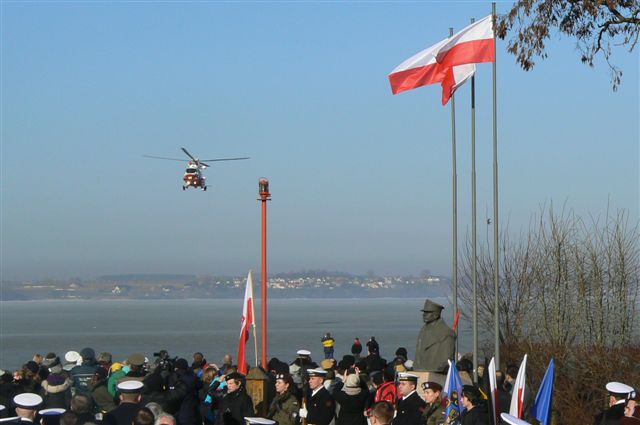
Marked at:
<point>183,327</point>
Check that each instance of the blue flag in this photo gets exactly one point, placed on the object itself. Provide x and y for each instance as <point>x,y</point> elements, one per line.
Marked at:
<point>541,409</point>
<point>454,386</point>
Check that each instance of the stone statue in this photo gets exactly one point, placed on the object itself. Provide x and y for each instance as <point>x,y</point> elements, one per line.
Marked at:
<point>436,340</point>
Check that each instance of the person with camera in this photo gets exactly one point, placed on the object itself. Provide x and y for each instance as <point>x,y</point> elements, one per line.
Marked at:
<point>182,395</point>
<point>236,403</point>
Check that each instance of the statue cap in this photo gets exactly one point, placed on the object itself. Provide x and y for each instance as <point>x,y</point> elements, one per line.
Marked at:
<point>431,306</point>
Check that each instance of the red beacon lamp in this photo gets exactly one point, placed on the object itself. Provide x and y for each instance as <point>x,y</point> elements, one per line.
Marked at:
<point>263,187</point>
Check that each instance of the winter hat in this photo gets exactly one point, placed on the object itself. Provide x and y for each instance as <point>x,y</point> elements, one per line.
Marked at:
<point>31,366</point>
<point>87,354</point>
<point>55,379</point>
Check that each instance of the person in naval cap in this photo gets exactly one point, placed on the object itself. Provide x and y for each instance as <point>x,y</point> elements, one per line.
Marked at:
<point>259,421</point>
<point>512,420</point>
<point>51,416</point>
<point>618,394</point>
<point>26,407</point>
<point>410,405</point>
<point>318,407</point>
<point>130,394</point>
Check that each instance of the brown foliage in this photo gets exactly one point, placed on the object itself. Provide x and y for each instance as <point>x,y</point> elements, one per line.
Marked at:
<point>597,26</point>
<point>581,375</point>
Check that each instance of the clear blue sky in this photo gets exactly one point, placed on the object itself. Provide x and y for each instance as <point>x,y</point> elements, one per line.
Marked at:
<point>361,179</point>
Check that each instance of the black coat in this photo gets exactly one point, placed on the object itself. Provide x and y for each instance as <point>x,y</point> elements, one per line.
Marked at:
<point>409,410</point>
<point>321,408</point>
<point>122,415</point>
<point>351,406</point>
<point>476,416</point>
<point>611,416</point>
<point>234,407</point>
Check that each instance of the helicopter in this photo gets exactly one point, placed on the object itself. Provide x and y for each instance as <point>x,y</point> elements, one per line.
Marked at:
<point>193,176</point>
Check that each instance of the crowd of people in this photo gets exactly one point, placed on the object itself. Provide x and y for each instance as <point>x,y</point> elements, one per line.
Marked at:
<point>359,389</point>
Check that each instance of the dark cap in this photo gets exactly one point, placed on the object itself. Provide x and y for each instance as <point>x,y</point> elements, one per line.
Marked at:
<point>182,364</point>
<point>236,376</point>
<point>31,366</point>
<point>430,385</point>
<point>87,353</point>
<point>431,306</point>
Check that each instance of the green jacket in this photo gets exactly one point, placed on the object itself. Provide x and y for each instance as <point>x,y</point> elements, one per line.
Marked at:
<point>284,409</point>
<point>434,414</point>
<point>113,382</point>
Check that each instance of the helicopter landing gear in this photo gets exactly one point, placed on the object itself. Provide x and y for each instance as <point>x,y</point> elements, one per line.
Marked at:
<point>183,188</point>
<point>204,188</point>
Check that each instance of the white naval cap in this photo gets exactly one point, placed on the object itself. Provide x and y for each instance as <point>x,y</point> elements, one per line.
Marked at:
<point>512,420</point>
<point>2,407</point>
<point>130,386</point>
<point>11,419</point>
<point>619,389</point>
<point>264,421</point>
<point>29,401</point>
<point>304,352</point>
<point>52,411</point>
<point>316,372</point>
<point>403,376</point>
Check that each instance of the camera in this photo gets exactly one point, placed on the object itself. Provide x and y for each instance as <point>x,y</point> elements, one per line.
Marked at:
<point>163,361</point>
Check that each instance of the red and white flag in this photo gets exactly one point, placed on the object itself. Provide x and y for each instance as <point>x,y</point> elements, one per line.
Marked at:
<point>493,387</point>
<point>248,319</point>
<point>423,69</point>
<point>517,397</point>
<point>473,44</point>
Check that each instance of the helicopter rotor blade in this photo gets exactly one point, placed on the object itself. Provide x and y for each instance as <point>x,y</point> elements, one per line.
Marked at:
<point>204,165</point>
<point>225,159</point>
<point>162,157</point>
<point>188,154</point>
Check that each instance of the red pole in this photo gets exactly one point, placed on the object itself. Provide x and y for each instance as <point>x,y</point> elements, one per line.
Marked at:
<point>264,197</point>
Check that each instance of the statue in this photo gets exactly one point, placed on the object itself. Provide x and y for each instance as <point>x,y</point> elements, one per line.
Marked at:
<point>436,340</point>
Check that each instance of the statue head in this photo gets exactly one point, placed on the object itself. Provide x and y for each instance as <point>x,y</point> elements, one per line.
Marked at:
<point>431,311</point>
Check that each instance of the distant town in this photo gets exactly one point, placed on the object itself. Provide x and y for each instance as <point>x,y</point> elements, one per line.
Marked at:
<point>310,284</point>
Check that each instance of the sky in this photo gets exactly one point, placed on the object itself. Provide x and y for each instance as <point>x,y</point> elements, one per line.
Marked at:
<point>360,179</point>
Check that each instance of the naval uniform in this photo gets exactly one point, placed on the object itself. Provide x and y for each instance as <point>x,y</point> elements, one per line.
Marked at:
<point>409,410</point>
<point>123,414</point>
<point>321,407</point>
<point>611,416</point>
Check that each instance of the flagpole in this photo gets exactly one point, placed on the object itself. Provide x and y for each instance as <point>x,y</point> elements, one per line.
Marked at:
<point>496,251</point>
<point>473,227</point>
<point>454,177</point>
<point>253,314</point>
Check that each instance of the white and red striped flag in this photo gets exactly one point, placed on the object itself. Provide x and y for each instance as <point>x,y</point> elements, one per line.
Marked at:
<point>248,319</point>
<point>472,44</point>
<point>423,69</point>
<point>493,388</point>
<point>517,397</point>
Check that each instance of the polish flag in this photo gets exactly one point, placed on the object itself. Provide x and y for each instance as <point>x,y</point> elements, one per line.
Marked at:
<point>423,69</point>
<point>517,397</point>
<point>473,44</point>
<point>247,321</point>
<point>493,387</point>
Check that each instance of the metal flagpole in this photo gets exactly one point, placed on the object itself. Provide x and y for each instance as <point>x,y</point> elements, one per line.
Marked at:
<point>454,276</point>
<point>253,314</point>
<point>496,251</point>
<point>473,227</point>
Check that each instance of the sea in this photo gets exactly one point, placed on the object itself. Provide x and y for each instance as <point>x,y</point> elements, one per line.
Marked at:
<point>210,326</point>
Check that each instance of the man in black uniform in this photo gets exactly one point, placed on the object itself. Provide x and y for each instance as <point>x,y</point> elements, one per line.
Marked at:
<point>410,405</point>
<point>618,393</point>
<point>26,408</point>
<point>320,408</point>
<point>130,396</point>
